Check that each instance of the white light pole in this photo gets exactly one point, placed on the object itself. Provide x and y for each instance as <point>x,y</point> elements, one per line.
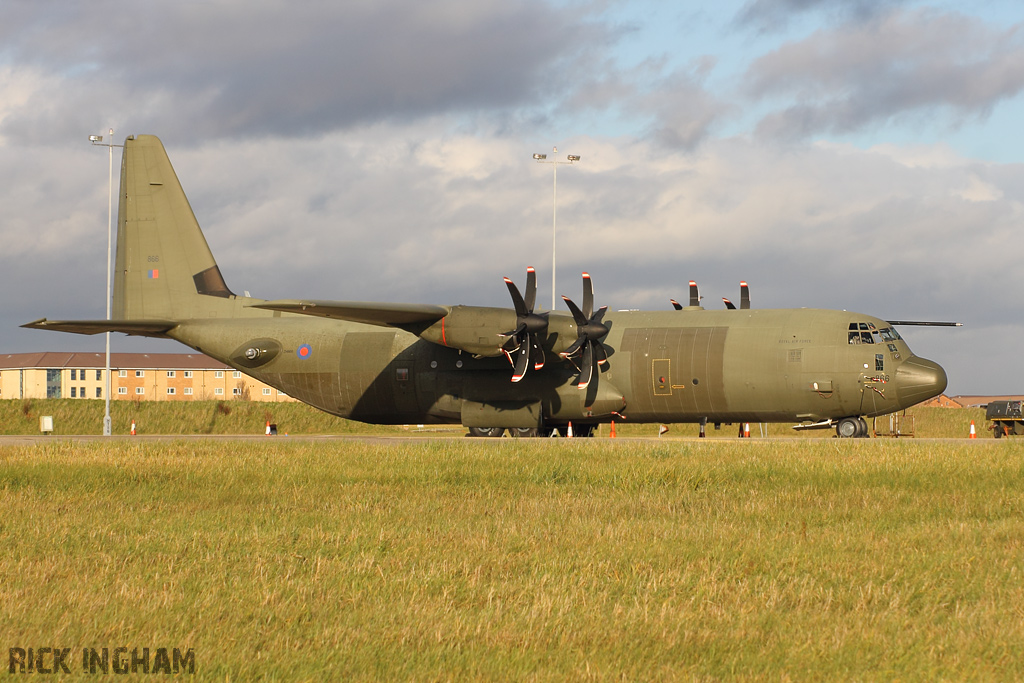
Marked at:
<point>97,140</point>
<point>542,159</point>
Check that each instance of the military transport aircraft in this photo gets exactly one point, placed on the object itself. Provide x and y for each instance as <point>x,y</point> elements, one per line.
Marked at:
<point>494,369</point>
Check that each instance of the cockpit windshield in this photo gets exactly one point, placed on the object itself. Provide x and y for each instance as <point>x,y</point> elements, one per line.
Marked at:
<point>867,333</point>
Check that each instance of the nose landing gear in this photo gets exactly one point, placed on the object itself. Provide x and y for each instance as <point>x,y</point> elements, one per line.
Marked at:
<point>852,428</point>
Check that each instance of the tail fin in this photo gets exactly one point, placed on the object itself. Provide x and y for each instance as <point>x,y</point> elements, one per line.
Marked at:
<point>164,268</point>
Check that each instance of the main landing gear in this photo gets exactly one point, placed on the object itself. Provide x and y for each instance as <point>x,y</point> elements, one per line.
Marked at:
<point>852,428</point>
<point>583,430</point>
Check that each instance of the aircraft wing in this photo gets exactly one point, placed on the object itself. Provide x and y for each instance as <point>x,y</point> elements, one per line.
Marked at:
<point>371,313</point>
<point>141,328</point>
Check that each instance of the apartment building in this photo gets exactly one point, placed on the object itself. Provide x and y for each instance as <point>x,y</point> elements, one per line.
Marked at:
<point>134,376</point>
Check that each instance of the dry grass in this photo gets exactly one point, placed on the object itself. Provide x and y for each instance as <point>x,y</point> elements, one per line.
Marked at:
<point>524,559</point>
<point>73,416</point>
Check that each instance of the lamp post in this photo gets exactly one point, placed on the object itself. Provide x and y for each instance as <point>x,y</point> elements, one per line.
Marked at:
<point>97,140</point>
<point>543,159</point>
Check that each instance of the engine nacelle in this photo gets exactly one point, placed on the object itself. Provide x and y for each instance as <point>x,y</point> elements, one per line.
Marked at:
<point>482,331</point>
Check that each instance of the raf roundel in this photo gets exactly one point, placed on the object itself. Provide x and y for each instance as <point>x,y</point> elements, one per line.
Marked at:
<point>304,351</point>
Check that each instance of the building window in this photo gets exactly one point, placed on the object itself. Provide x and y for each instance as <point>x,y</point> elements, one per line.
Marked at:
<point>266,391</point>
<point>236,374</point>
<point>140,390</point>
<point>140,373</point>
<point>122,373</point>
<point>219,374</point>
<point>218,391</point>
<point>170,374</point>
<point>236,391</point>
<point>99,375</point>
<point>73,392</point>
<point>122,390</point>
<point>53,383</point>
<point>188,374</point>
<point>74,375</point>
<point>170,391</point>
<point>99,392</point>
<point>188,391</point>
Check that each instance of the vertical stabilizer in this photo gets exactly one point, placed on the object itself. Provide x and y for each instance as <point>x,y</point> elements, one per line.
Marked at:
<point>164,268</point>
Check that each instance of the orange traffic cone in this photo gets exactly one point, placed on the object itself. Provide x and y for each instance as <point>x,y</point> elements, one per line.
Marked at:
<point>268,428</point>
<point>568,432</point>
<point>973,435</point>
<point>133,428</point>
<point>746,430</point>
<point>613,429</point>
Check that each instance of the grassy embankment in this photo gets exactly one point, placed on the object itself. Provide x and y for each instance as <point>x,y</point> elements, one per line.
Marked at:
<point>249,417</point>
<point>524,559</point>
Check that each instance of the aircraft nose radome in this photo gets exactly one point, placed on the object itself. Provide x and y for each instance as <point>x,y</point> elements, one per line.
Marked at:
<point>919,379</point>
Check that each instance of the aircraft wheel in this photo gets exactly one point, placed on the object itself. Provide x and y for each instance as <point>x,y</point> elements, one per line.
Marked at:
<point>863,433</point>
<point>524,432</point>
<point>486,431</point>
<point>848,428</point>
<point>997,431</point>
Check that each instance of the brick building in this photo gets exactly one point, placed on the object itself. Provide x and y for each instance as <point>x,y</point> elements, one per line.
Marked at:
<point>134,376</point>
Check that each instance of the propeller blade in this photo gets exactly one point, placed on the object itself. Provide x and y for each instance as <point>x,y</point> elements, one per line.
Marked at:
<point>516,332</point>
<point>744,296</point>
<point>577,314</point>
<point>676,305</point>
<point>531,288</point>
<point>574,347</point>
<point>522,362</point>
<point>694,294</point>
<point>517,299</point>
<point>538,357</point>
<point>728,304</point>
<point>600,354</point>
<point>587,367</point>
<point>599,316</point>
<point>588,296</point>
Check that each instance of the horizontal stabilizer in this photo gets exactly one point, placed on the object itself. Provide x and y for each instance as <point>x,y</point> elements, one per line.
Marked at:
<point>140,328</point>
<point>371,313</point>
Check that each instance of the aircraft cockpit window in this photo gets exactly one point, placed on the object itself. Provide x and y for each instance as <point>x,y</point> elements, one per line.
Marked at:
<point>889,334</point>
<point>865,333</point>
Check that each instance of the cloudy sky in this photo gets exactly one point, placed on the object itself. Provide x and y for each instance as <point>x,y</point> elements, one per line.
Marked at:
<point>851,154</point>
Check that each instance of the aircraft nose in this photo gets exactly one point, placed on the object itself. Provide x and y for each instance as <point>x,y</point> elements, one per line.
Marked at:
<point>919,379</point>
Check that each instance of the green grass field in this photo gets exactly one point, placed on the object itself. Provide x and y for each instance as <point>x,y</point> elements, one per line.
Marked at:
<point>524,559</point>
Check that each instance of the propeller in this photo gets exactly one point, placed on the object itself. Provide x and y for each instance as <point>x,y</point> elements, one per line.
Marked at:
<point>528,324</point>
<point>744,298</point>
<point>589,331</point>
<point>694,299</point>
